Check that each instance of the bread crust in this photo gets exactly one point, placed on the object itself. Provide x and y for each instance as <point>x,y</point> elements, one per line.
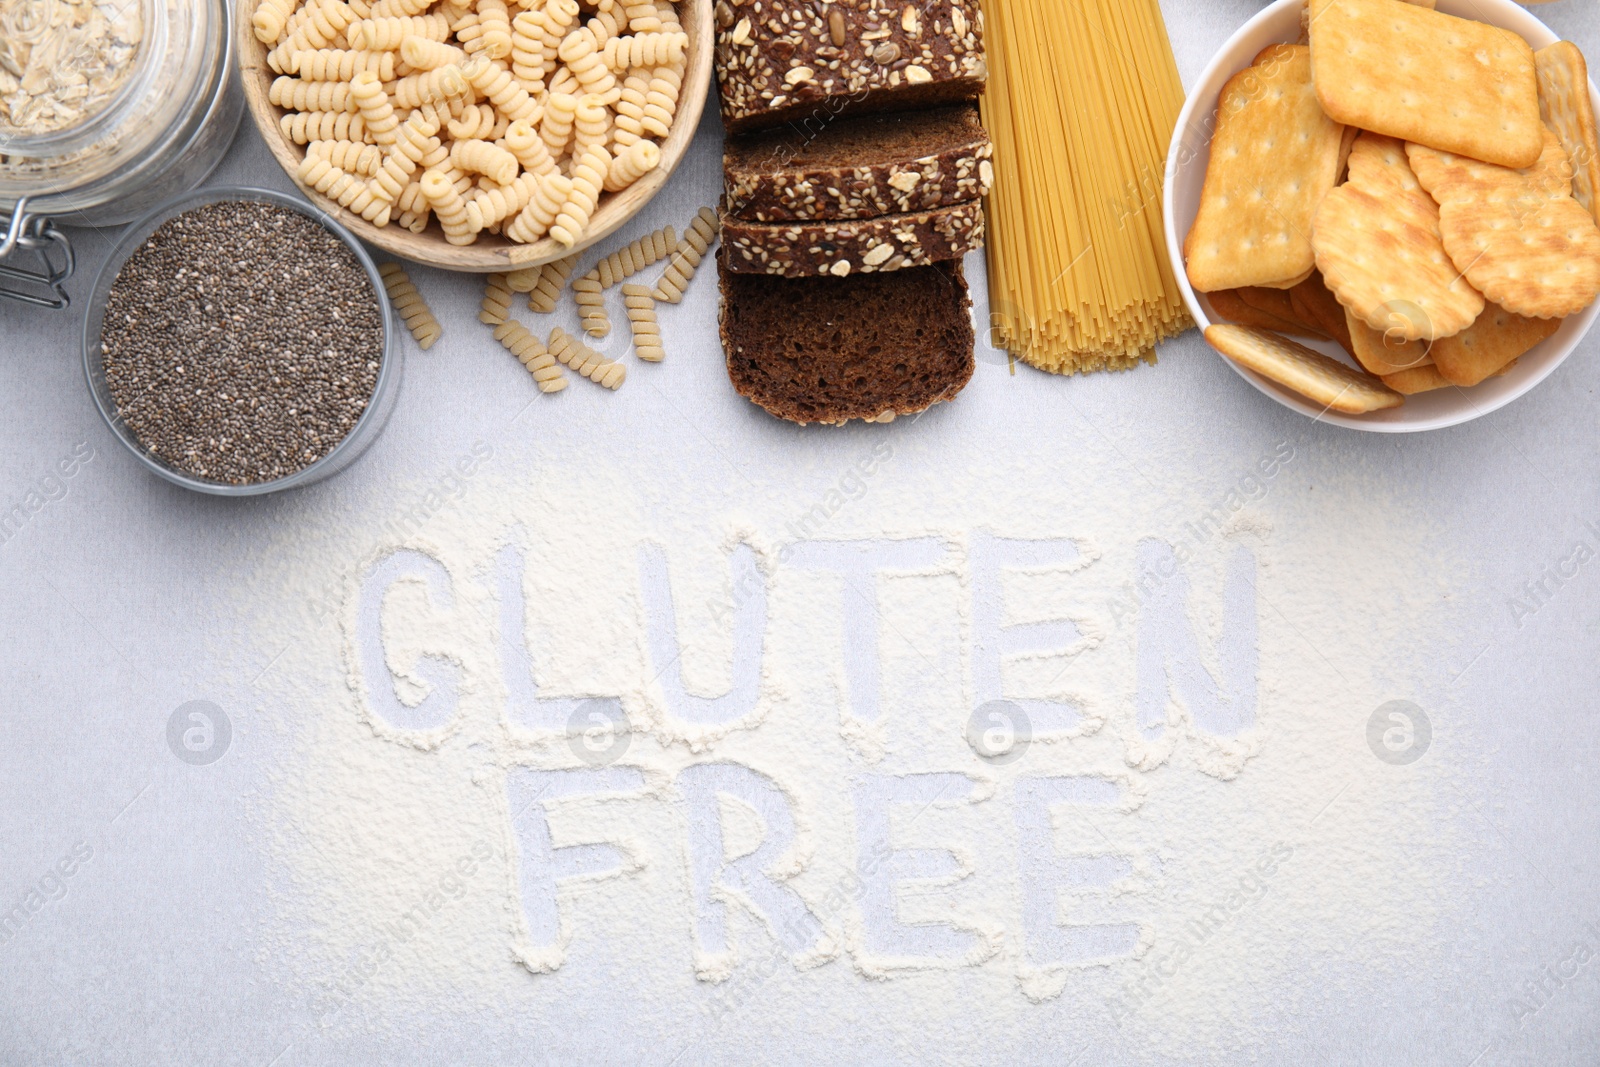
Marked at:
<point>769,179</point>
<point>854,246</point>
<point>807,64</point>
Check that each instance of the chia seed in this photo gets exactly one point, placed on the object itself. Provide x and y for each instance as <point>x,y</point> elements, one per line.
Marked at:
<point>241,342</point>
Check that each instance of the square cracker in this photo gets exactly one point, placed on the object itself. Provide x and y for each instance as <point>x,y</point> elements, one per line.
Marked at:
<point>1416,380</point>
<point>1424,76</point>
<point>1565,105</point>
<point>1288,283</point>
<point>1426,379</point>
<point>1313,303</point>
<point>1489,345</point>
<point>1517,235</point>
<point>1377,243</point>
<point>1274,157</point>
<point>1311,374</point>
<point>1231,305</point>
<point>1280,303</point>
<point>1382,353</point>
<point>1305,15</point>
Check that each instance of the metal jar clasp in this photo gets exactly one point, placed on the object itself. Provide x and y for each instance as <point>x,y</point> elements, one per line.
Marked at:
<point>45,285</point>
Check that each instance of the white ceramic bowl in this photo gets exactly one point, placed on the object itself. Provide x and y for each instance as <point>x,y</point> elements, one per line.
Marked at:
<point>1186,171</point>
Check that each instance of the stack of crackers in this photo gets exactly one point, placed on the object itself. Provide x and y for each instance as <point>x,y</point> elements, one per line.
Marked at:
<point>1422,189</point>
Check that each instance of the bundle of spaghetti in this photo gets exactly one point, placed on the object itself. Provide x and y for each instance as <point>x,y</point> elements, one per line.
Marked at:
<point>1078,271</point>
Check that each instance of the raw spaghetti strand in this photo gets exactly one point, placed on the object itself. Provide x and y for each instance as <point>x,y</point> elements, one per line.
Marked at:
<point>1079,274</point>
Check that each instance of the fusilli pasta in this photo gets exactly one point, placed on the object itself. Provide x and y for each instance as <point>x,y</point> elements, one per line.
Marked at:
<point>631,164</point>
<point>511,99</point>
<point>579,53</point>
<point>493,206</point>
<point>297,95</point>
<point>475,123</point>
<point>560,113</point>
<point>423,53</point>
<point>687,256</point>
<point>585,360</point>
<point>403,8</point>
<point>645,50</point>
<point>386,34</point>
<point>316,25</point>
<point>440,84</point>
<point>526,123</point>
<point>588,177</point>
<point>373,103</point>
<point>527,53</point>
<point>350,192</point>
<point>408,303</point>
<point>487,158</point>
<point>352,157</point>
<point>532,354</point>
<point>496,300</point>
<point>642,16</point>
<point>414,140</point>
<point>522,141</point>
<point>270,19</point>
<point>306,126</point>
<point>646,329</point>
<point>590,298</point>
<point>660,104</point>
<point>552,279</point>
<point>524,280</point>
<point>447,205</point>
<point>549,192</point>
<point>625,262</point>
<point>494,22</point>
<point>591,126</point>
<point>340,65</point>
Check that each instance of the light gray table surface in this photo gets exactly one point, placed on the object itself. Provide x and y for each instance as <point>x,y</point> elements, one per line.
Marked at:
<point>111,592</point>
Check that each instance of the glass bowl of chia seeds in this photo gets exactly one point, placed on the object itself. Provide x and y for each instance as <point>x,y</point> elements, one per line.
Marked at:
<point>238,341</point>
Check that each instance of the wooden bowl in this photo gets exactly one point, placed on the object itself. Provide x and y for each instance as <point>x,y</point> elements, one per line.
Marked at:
<point>491,253</point>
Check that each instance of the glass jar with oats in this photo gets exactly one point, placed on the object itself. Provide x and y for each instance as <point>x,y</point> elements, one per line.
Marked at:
<point>107,108</point>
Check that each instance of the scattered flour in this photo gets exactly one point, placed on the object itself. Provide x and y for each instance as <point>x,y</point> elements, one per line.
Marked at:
<point>579,741</point>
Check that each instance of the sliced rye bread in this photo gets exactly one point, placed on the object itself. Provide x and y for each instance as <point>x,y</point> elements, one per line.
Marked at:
<point>806,63</point>
<point>852,246</point>
<point>834,349</point>
<point>860,166</point>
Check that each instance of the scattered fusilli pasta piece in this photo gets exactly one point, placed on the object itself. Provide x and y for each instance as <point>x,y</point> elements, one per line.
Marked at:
<point>687,256</point>
<point>532,354</point>
<point>585,360</point>
<point>408,303</point>
<point>629,260</point>
<point>496,306</point>
<point>646,329</point>
<point>552,279</point>
<point>589,295</point>
<point>524,280</point>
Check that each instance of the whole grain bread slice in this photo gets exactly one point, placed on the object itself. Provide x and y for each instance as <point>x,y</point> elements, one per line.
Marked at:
<point>849,247</point>
<point>860,167</point>
<point>806,64</point>
<point>834,349</point>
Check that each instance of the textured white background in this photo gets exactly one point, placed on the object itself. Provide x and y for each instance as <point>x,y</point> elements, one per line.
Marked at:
<point>107,595</point>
